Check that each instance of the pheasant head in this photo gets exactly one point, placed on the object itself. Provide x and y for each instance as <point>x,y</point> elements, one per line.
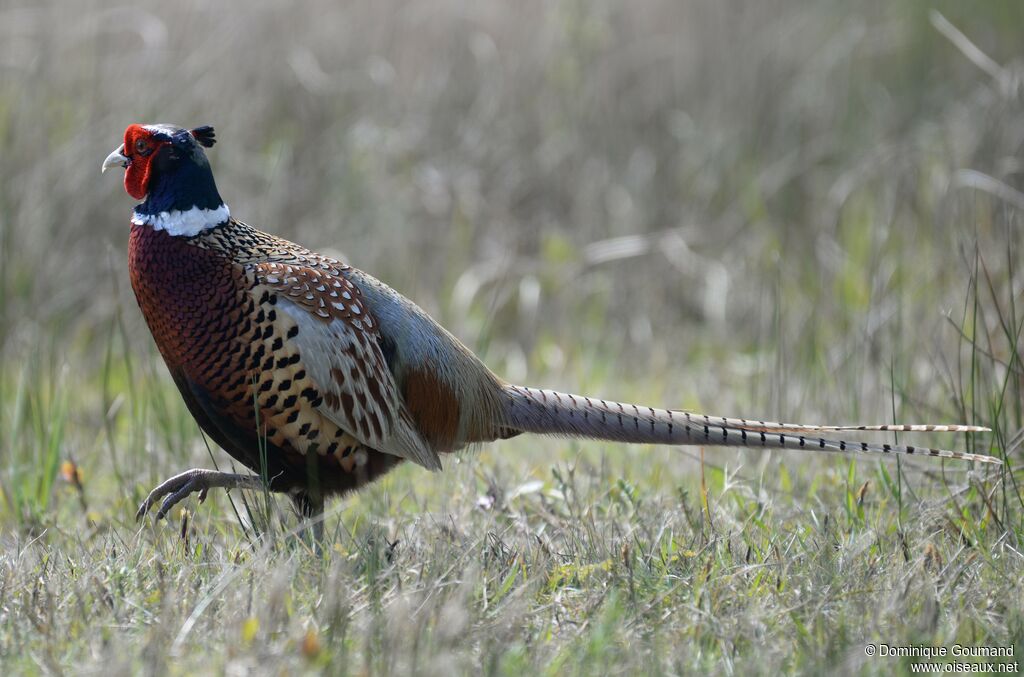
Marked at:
<point>167,169</point>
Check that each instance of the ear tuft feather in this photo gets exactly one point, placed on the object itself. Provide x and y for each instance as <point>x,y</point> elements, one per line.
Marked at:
<point>204,135</point>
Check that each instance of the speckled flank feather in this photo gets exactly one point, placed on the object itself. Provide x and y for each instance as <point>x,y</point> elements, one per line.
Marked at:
<point>340,340</point>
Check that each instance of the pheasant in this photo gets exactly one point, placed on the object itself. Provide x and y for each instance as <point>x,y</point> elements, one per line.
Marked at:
<point>320,378</point>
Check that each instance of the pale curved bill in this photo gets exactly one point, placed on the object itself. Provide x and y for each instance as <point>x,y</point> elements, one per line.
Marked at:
<point>115,159</point>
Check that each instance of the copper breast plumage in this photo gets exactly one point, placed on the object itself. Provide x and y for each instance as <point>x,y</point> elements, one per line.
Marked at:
<point>215,312</point>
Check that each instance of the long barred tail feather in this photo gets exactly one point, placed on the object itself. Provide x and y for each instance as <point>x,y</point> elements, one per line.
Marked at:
<point>770,426</point>
<point>533,410</point>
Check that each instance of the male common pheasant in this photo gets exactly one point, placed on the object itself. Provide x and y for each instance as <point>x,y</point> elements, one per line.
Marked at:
<point>320,378</point>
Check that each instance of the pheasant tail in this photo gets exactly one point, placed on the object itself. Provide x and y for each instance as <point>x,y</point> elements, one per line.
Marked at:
<point>540,411</point>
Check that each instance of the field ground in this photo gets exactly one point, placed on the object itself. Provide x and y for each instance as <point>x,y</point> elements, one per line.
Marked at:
<point>775,209</point>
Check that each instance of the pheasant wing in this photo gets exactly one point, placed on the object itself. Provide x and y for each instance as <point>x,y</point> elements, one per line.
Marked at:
<point>325,318</point>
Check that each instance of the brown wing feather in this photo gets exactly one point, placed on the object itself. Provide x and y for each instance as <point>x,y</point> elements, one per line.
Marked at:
<point>325,322</point>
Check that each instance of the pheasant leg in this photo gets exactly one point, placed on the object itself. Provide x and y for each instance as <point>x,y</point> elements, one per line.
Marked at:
<point>311,509</point>
<point>197,479</point>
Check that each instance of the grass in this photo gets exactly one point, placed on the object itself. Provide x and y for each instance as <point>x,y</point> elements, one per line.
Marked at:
<point>768,209</point>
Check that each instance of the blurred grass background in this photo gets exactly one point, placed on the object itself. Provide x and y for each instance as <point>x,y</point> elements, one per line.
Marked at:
<point>776,209</point>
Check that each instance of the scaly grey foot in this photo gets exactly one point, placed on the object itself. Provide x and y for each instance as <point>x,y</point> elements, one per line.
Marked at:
<point>191,481</point>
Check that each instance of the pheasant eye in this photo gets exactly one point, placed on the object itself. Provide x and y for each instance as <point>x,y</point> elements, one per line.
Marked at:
<point>141,145</point>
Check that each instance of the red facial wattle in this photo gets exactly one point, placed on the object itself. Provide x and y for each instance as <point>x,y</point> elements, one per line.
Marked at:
<point>140,148</point>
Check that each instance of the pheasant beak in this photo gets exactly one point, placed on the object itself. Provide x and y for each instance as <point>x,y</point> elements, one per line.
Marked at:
<point>117,158</point>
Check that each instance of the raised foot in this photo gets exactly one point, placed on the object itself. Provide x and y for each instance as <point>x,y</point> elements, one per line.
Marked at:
<point>197,479</point>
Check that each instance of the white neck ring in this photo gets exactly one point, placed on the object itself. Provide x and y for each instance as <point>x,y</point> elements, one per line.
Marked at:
<point>184,223</point>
